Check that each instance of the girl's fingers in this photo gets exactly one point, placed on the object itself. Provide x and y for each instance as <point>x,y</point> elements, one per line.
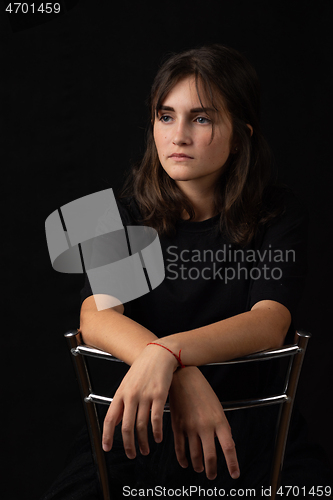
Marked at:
<point>112,418</point>
<point>179,440</point>
<point>127,428</point>
<point>194,443</point>
<point>229,450</point>
<point>157,411</point>
<point>145,385</point>
<point>142,420</point>
<point>209,452</point>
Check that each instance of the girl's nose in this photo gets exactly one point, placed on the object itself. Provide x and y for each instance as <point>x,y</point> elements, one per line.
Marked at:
<point>182,135</point>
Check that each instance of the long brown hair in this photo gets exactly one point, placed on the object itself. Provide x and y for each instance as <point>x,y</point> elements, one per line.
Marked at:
<point>240,190</point>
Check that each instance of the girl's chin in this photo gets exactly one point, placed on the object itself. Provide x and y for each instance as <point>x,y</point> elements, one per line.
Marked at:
<point>180,175</point>
<point>182,178</point>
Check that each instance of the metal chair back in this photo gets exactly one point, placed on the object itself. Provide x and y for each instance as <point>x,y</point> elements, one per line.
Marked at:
<point>286,399</point>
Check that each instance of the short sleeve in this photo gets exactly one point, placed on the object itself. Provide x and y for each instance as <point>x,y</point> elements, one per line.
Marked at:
<point>281,257</point>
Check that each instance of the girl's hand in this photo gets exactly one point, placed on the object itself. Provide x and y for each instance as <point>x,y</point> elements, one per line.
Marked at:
<point>197,414</point>
<point>143,391</point>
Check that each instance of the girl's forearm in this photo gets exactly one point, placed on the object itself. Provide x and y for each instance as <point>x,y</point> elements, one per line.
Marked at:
<point>113,332</point>
<point>264,327</point>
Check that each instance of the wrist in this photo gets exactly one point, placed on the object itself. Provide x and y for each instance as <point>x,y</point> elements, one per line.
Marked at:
<point>177,362</point>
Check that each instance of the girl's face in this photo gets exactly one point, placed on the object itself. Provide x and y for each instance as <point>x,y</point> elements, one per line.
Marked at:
<point>183,136</point>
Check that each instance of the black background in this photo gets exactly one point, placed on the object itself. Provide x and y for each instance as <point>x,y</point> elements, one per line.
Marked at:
<point>73,104</point>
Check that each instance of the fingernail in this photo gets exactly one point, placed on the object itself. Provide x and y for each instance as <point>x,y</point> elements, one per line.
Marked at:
<point>235,475</point>
<point>212,477</point>
<point>106,447</point>
<point>144,451</point>
<point>199,470</point>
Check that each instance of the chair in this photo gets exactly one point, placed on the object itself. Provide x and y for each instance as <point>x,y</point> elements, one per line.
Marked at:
<point>286,399</point>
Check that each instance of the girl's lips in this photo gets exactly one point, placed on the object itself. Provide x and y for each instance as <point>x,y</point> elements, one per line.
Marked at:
<point>180,157</point>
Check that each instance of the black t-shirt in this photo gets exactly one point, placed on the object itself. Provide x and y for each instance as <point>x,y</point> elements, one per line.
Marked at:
<point>208,279</point>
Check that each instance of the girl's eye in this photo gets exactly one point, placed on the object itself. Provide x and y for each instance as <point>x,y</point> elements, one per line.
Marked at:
<point>203,119</point>
<point>200,119</point>
<point>165,118</point>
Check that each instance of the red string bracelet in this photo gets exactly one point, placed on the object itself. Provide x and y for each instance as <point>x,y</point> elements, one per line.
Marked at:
<point>175,355</point>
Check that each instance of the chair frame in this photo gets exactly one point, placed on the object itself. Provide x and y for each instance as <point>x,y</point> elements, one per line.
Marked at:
<point>286,399</point>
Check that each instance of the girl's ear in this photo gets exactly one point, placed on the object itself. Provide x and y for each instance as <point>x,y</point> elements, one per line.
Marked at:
<point>251,128</point>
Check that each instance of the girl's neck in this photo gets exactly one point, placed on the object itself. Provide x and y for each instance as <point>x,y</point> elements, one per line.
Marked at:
<point>202,200</point>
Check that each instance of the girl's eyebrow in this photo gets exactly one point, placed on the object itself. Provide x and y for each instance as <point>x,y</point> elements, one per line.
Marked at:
<point>193,110</point>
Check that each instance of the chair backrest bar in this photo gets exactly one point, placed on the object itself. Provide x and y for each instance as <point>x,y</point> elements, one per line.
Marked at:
<point>294,370</point>
<point>287,350</point>
<point>74,340</point>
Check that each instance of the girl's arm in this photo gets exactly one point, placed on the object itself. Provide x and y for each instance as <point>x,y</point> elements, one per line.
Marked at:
<point>113,332</point>
<point>145,388</point>
<point>143,392</point>
<point>263,327</point>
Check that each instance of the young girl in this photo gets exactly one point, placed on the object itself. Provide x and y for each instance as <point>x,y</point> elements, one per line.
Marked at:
<point>234,256</point>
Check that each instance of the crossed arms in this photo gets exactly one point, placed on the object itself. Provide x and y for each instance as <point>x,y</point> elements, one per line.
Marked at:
<point>196,413</point>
